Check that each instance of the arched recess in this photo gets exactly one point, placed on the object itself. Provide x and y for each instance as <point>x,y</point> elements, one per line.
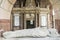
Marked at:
<point>19,1</point>
<point>50,13</point>
<point>11,2</point>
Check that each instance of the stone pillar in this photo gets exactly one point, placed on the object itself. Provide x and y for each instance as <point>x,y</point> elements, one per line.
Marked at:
<point>36,19</point>
<point>49,22</point>
<point>21,4</point>
<point>24,21</point>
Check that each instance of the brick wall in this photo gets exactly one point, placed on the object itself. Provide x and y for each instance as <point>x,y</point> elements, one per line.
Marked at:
<point>5,24</point>
<point>58,25</point>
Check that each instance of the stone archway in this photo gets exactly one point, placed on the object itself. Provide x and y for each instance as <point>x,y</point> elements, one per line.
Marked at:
<point>5,12</point>
<point>5,16</point>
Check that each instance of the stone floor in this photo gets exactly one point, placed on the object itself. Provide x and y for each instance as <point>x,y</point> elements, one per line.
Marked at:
<point>47,38</point>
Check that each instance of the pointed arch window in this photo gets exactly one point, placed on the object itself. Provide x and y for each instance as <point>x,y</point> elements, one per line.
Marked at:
<point>20,3</point>
<point>24,3</point>
<point>17,3</point>
<point>37,2</point>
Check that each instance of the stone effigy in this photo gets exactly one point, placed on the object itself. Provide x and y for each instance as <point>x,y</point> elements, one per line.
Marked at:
<point>35,32</point>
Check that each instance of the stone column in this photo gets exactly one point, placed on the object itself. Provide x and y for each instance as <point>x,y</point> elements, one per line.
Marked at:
<point>36,19</point>
<point>24,21</point>
<point>49,26</point>
<point>21,4</point>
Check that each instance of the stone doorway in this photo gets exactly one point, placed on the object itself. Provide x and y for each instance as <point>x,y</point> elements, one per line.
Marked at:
<point>30,21</point>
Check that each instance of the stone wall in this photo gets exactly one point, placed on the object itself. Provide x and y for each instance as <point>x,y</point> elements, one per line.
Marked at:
<point>5,14</point>
<point>57,24</point>
<point>5,24</point>
<point>57,16</point>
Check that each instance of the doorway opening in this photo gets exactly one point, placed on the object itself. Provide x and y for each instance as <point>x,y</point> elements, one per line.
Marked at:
<point>30,24</point>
